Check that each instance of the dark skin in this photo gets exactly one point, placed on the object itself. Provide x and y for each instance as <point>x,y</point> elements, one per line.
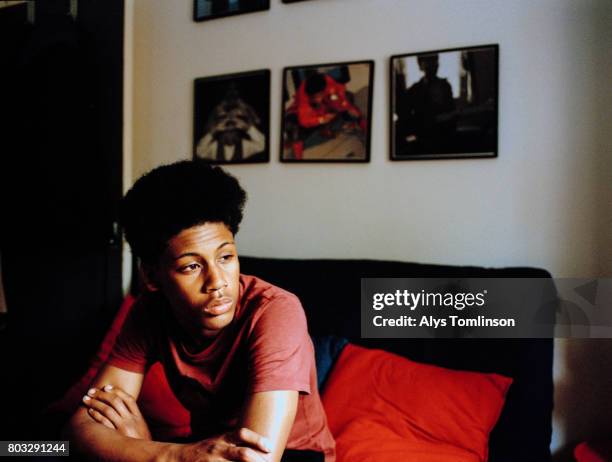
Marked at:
<point>118,411</point>
<point>115,409</point>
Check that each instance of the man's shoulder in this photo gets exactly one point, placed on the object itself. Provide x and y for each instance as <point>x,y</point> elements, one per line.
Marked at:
<point>261,298</point>
<point>257,289</point>
<point>269,308</point>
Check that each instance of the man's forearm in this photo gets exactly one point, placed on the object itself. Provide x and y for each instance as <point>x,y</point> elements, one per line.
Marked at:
<point>99,442</point>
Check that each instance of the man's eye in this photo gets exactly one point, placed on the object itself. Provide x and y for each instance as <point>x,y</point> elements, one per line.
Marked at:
<point>189,268</point>
<point>227,257</point>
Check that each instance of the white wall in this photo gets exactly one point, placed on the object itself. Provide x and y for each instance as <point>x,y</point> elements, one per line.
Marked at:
<point>545,201</point>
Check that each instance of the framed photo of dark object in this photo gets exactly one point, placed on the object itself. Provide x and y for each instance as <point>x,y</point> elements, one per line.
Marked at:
<point>326,112</point>
<point>444,103</point>
<point>231,123</point>
<point>204,10</point>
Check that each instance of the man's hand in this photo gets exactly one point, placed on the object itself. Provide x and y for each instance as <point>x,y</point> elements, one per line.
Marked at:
<point>242,445</point>
<point>115,409</point>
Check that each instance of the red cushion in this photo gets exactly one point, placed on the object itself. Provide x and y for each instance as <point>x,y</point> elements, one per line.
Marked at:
<point>383,407</point>
<point>598,451</point>
<point>166,417</point>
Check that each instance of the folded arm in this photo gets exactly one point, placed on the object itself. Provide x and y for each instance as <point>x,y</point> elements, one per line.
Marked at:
<point>96,439</point>
<point>110,427</point>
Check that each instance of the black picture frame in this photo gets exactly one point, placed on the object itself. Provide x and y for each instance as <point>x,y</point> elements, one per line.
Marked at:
<point>231,121</point>
<point>342,132</point>
<point>205,10</point>
<point>451,113</point>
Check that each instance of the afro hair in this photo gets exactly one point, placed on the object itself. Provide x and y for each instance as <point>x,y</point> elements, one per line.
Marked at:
<point>175,197</point>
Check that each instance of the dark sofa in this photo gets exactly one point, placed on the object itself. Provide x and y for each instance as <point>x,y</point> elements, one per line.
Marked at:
<point>330,293</point>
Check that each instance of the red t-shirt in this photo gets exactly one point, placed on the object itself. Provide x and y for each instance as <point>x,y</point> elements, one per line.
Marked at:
<point>266,347</point>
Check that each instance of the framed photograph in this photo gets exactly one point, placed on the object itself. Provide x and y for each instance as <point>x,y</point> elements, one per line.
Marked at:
<point>231,123</point>
<point>444,103</point>
<point>326,112</point>
<point>204,10</point>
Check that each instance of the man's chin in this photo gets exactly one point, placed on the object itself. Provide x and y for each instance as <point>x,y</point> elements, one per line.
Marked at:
<point>212,326</point>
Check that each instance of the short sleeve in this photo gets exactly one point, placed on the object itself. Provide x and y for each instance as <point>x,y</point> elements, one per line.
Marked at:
<point>281,354</point>
<point>134,345</point>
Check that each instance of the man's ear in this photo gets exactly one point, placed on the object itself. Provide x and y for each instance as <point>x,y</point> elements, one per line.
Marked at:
<point>148,275</point>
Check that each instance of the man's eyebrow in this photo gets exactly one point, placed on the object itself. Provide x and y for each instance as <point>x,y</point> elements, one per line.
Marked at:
<point>195,254</point>
<point>186,254</point>
<point>225,243</point>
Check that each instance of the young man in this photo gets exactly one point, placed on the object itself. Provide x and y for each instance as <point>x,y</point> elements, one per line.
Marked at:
<point>235,349</point>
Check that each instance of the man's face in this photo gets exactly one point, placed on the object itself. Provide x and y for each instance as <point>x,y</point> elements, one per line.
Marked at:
<point>199,275</point>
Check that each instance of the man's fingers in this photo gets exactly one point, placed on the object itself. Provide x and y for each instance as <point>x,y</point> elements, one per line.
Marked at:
<point>110,399</point>
<point>243,454</point>
<point>254,439</point>
<point>128,399</point>
<point>102,408</point>
<point>100,418</point>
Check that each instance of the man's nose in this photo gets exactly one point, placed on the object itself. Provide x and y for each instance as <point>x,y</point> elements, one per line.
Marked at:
<point>215,281</point>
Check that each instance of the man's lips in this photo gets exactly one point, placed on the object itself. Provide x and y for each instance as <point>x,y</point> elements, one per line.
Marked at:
<point>219,307</point>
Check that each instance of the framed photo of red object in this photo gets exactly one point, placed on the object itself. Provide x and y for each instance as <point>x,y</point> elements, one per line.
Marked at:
<point>326,112</point>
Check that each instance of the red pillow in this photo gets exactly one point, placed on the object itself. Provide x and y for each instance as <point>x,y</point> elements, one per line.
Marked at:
<point>593,451</point>
<point>383,407</point>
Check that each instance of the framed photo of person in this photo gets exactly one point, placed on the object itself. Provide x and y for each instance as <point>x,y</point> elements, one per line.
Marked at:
<point>204,10</point>
<point>231,122</point>
<point>444,103</point>
<point>326,112</point>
